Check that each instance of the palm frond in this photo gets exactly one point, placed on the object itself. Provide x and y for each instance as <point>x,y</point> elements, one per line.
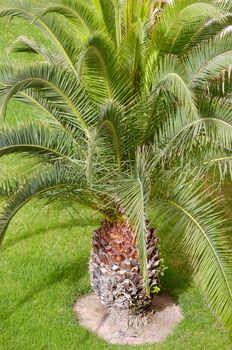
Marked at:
<point>131,198</point>
<point>18,8</point>
<point>57,86</point>
<point>221,161</point>
<point>8,187</point>
<point>221,85</point>
<point>24,44</point>
<point>108,16</point>
<point>181,21</point>
<point>95,65</point>
<point>54,179</point>
<point>177,138</point>
<point>204,238</point>
<point>100,70</point>
<point>65,41</point>
<point>208,29</point>
<point>38,140</point>
<point>169,78</point>
<point>81,15</point>
<point>206,61</point>
<point>109,128</point>
<point>133,195</point>
<point>132,54</point>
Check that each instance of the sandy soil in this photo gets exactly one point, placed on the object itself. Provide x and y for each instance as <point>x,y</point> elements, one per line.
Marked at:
<point>94,316</point>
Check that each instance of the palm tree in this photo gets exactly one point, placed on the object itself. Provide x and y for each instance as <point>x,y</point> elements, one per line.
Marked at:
<point>135,106</point>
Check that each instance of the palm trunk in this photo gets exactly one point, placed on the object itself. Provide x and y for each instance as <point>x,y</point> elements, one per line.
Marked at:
<point>114,267</point>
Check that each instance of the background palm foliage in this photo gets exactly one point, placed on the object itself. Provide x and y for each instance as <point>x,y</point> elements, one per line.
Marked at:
<point>135,103</point>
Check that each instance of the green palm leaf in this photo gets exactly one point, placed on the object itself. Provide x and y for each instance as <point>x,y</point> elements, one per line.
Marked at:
<point>38,140</point>
<point>133,196</point>
<point>170,79</point>
<point>206,61</point>
<point>204,238</point>
<point>24,44</point>
<point>82,16</point>
<point>55,85</point>
<point>66,42</point>
<point>54,179</point>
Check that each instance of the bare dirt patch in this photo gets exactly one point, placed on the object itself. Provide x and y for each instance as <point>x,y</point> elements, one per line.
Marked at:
<point>160,323</point>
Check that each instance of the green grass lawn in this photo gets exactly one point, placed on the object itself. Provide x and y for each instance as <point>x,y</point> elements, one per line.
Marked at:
<point>44,269</point>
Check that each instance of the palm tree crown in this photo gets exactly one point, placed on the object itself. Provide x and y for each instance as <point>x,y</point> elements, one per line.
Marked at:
<point>135,99</point>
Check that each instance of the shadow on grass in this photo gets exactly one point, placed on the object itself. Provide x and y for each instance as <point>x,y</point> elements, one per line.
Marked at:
<point>176,280</point>
<point>42,230</point>
<point>38,232</point>
<point>178,274</point>
<point>72,273</point>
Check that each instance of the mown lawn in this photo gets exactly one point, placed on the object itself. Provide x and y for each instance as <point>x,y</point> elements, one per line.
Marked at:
<point>44,269</point>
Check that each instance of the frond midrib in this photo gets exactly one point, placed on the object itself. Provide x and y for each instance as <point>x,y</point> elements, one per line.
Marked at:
<point>61,93</point>
<point>52,35</point>
<point>194,77</point>
<point>207,239</point>
<point>39,147</point>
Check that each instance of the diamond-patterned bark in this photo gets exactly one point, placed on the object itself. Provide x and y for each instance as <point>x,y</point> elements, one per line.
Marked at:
<point>114,266</point>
